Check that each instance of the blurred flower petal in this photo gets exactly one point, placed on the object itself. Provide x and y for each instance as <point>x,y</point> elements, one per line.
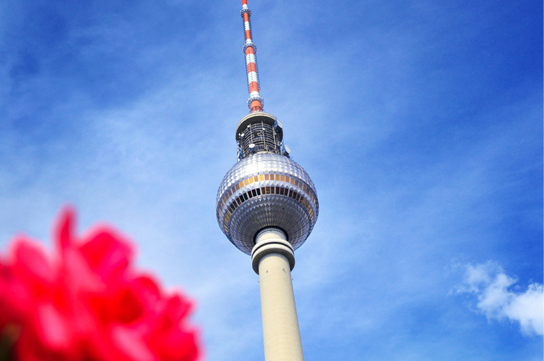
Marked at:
<point>90,303</point>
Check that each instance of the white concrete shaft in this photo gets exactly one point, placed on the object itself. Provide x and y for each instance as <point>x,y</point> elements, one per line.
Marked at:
<point>280,323</point>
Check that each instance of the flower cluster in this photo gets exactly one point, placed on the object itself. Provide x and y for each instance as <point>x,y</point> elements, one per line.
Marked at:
<point>87,303</point>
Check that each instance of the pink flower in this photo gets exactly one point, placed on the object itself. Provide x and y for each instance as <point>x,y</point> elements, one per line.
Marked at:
<point>88,303</point>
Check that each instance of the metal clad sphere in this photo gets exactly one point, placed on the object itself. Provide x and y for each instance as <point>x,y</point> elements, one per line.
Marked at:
<point>266,190</point>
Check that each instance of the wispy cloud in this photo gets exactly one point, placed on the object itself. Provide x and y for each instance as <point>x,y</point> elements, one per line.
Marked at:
<point>499,298</point>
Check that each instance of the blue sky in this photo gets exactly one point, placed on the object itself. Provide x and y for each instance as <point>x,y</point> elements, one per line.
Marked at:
<point>419,121</point>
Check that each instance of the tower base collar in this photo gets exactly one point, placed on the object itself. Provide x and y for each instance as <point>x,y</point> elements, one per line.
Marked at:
<point>271,240</point>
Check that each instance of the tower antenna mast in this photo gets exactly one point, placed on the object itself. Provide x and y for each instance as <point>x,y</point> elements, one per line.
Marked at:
<point>255,102</point>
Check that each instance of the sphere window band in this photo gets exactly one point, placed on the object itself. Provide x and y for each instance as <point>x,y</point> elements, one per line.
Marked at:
<point>277,190</point>
<point>266,190</point>
<point>262,177</point>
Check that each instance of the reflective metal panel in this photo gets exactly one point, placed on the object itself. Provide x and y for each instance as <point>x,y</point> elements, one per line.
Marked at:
<point>266,190</point>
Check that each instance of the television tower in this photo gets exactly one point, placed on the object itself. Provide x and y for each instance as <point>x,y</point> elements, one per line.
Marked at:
<point>267,206</point>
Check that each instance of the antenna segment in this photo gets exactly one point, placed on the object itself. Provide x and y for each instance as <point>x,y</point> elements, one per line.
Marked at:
<point>255,103</point>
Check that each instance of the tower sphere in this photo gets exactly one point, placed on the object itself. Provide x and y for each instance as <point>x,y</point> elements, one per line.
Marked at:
<point>265,188</point>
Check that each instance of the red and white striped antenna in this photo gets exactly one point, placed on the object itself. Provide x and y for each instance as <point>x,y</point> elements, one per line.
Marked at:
<point>255,102</point>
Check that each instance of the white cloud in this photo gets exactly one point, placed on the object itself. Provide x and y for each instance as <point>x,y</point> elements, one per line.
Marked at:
<point>498,301</point>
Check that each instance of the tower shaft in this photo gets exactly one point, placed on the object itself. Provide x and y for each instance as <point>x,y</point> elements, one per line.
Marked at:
<point>274,259</point>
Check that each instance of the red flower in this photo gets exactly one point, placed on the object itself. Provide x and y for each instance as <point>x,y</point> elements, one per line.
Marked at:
<point>88,303</point>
